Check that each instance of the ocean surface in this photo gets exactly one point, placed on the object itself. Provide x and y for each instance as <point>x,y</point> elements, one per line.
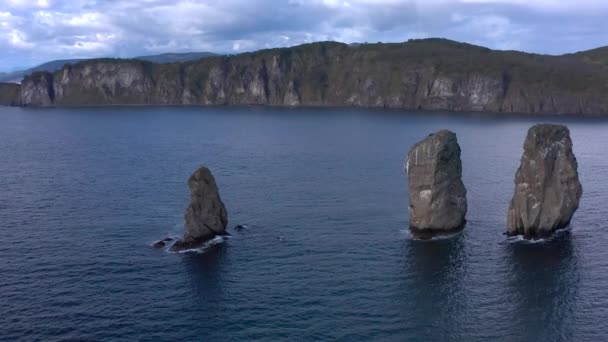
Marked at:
<point>326,256</point>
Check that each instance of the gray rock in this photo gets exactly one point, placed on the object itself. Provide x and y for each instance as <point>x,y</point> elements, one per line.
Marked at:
<point>547,188</point>
<point>37,90</point>
<point>438,198</point>
<point>206,216</point>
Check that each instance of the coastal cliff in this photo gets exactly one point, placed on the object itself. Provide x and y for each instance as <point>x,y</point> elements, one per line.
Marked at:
<point>429,74</point>
<point>9,94</point>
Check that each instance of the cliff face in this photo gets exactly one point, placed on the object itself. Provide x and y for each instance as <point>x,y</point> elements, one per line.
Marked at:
<point>38,90</point>
<point>427,74</point>
<point>102,82</point>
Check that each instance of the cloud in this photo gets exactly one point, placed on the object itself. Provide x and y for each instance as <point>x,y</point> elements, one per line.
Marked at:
<point>34,31</point>
<point>27,3</point>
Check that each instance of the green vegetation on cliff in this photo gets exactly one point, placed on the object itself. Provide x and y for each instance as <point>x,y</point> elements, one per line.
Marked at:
<point>419,74</point>
<point>9,94</point>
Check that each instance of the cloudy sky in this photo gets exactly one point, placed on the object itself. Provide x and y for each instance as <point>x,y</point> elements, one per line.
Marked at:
<point>35,31</point>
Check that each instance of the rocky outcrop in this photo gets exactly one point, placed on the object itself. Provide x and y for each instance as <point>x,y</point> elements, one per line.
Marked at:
<point>438,202</point>
<point>206,216</point>
<point>38,90</point>
<point>430,74</point>
<point>547,188</point>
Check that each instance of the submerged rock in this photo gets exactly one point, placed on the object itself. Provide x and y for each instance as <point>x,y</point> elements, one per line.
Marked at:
<point>438,202</point>
<point>159,244</point>
<point>206,216</point>
<point>547,188</point>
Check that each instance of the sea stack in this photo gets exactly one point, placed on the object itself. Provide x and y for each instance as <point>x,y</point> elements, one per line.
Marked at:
<point>547,188</point>
<point>206,216</point>
<point>438,198</point>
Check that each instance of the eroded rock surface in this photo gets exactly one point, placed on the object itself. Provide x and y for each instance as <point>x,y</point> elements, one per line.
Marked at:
<point>547,187</point>
<point>206,216</point>
<point>454,77</point>
<point>37,90</point>
<point>438,202</point>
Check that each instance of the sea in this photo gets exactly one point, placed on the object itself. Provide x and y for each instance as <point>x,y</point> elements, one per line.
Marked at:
<point>326,254</point>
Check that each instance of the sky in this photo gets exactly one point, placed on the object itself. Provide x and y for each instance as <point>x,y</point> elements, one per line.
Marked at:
<point>36,31</point>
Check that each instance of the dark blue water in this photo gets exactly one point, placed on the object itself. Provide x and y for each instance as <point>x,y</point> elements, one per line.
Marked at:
<point>83,193</point>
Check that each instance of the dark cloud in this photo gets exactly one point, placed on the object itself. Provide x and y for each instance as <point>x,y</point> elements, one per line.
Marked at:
<point>34,31</point>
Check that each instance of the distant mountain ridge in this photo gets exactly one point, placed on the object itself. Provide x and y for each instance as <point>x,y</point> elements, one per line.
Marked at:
<point>424,74</point>
<point>52,66</point>
<point>597,56</point>
<point>176,57</point>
